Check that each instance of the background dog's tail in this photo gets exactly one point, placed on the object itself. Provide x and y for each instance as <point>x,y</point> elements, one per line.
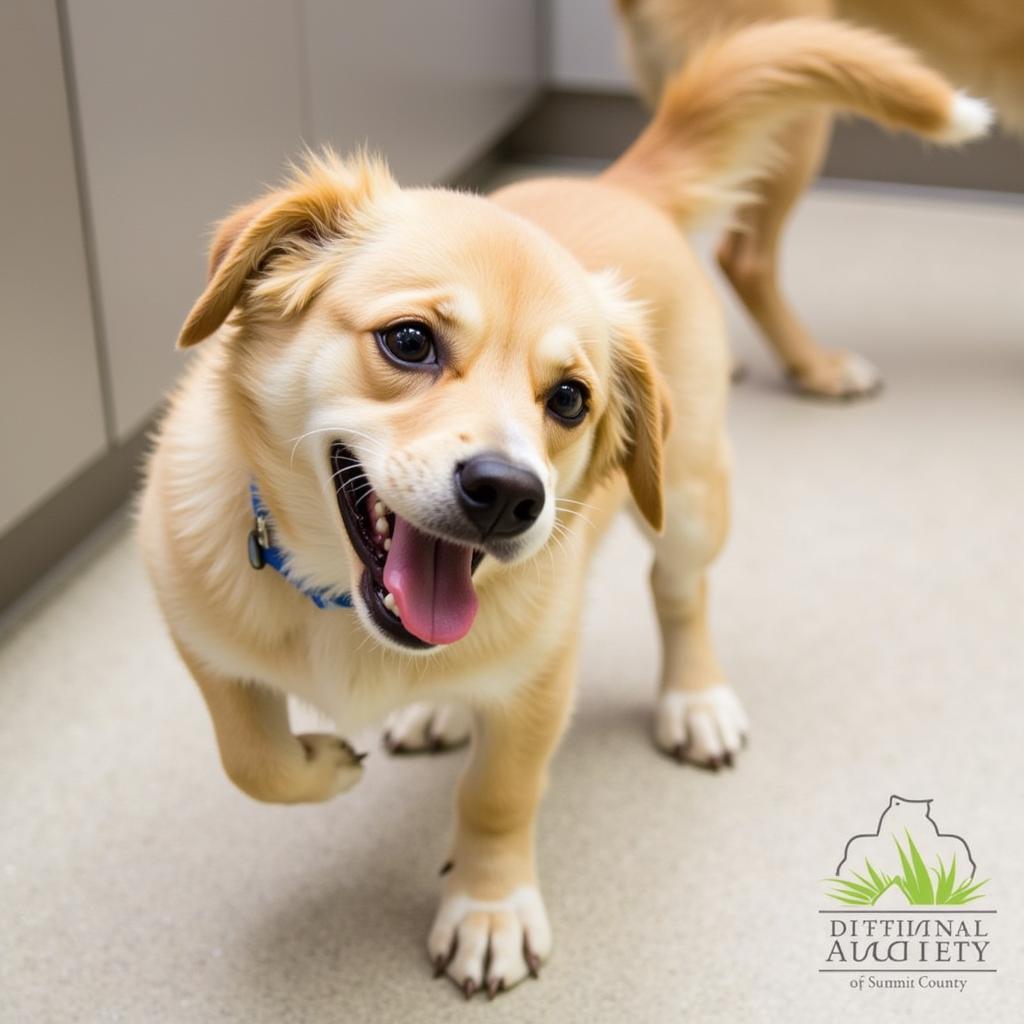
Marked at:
<point>713,128</point>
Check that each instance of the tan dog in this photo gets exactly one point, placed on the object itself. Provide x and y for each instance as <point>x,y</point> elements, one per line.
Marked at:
<point>978,43</point>
<point>433,402</point>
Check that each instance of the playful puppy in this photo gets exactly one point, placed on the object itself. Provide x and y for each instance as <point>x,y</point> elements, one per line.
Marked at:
<point>978,43</point>
<point>411,397</point>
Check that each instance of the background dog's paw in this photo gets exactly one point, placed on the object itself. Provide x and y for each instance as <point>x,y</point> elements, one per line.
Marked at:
<point>427,727</point>
<point>490,945</point>
<point>841,375</point>
<point>330,766</point>
<point>704,727</point>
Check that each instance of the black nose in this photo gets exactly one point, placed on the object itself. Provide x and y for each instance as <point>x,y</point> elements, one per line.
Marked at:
<point>500,498</point>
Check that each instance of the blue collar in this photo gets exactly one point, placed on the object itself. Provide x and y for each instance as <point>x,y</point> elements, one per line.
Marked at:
<point>262,551</point>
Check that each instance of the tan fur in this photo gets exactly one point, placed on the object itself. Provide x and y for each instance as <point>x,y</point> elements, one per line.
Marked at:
<point>979,44</point>
<point>545,280</point>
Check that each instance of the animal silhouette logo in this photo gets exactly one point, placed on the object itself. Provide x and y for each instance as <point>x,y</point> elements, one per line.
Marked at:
<point>906,860</point>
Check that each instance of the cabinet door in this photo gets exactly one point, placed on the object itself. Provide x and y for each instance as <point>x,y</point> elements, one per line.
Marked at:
<point>187,109</point>
<point>584,48</point>
<point>51,418</point>
<point>429,85</point>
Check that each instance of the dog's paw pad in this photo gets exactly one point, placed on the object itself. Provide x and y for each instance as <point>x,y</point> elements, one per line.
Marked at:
<point>425,727</point>
<point>490,945</point>
<point>704,727</point>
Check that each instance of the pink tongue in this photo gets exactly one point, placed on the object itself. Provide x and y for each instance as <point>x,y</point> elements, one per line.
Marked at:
<point>432,583</point>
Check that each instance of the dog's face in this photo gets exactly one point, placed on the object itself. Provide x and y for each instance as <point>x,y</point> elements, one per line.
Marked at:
<point>448,376</point>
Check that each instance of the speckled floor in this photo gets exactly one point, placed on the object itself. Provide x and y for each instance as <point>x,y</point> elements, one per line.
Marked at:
<point>869,608</point>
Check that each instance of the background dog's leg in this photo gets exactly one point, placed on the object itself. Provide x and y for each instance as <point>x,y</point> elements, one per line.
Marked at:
<point>258,750</point>
<point>491,929</point>
<point>749,255</point>
<point>698,718</point>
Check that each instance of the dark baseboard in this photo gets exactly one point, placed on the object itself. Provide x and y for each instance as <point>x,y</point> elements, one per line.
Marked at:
<point>864,152</point>
<point>52,530</point>
<point>575,126</point>
<point>599,126</point>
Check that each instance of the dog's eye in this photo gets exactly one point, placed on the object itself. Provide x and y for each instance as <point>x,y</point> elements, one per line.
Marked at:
<point>568,402</point>
<point>409,343</point>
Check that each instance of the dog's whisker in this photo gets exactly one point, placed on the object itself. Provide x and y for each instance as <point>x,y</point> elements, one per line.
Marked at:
<point>579,515</point>
<point>366,640</point>
<point>572,501</point>
<point>332,478</point>
<point>340,431</point>
<point>341,473</point>
<point>369,438</point>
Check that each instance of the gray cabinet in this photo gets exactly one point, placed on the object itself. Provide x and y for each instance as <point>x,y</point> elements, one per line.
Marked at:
<point>51,414</point>
<point>584,48</point>
<point>187,109</point>
<point>429,85</point>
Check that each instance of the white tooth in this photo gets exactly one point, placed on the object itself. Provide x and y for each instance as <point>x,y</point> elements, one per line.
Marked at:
<point>381,526</point>
<point>387,543</point>
<point>390,604</point>
<point>378,509</point>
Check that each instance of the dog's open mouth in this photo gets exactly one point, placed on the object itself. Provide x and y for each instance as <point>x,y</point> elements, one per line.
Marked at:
<point>417,587</point>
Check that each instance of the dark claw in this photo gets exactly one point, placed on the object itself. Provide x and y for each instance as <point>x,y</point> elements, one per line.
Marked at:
<point>494,986</point>
<point>358,756</point>
<point>680,753</point>
<point>396,748</point>
<point>715,763</point>
<point>727,759</point>
<point>447,866</point>
<point>469,988</point>
<point>436,744</point>
<point>440,963</point>
<point>533,964</point>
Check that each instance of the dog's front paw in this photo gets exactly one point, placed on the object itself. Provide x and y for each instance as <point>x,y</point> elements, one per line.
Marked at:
<point>330,766</point>
<point>427,727</point>
<point>303,769</point>
<point>490,944</point>
<point>841,375</point>
<point>704,727</point>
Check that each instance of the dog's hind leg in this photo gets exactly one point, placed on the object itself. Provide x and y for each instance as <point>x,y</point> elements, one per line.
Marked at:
<point>258,750</point>
<point>749,256</point>
<point>698,717</point>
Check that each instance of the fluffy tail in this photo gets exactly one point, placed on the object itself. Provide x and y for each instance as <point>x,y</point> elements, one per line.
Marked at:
<point>713,129</point>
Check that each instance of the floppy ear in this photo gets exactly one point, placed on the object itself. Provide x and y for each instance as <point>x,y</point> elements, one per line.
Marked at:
<point>313,207</point>
<point>638,417</point>
<point>228,231</point>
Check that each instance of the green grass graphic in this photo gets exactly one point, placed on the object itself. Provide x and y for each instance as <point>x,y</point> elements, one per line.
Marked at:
<point>915,882</point>
<point>865,891</point>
